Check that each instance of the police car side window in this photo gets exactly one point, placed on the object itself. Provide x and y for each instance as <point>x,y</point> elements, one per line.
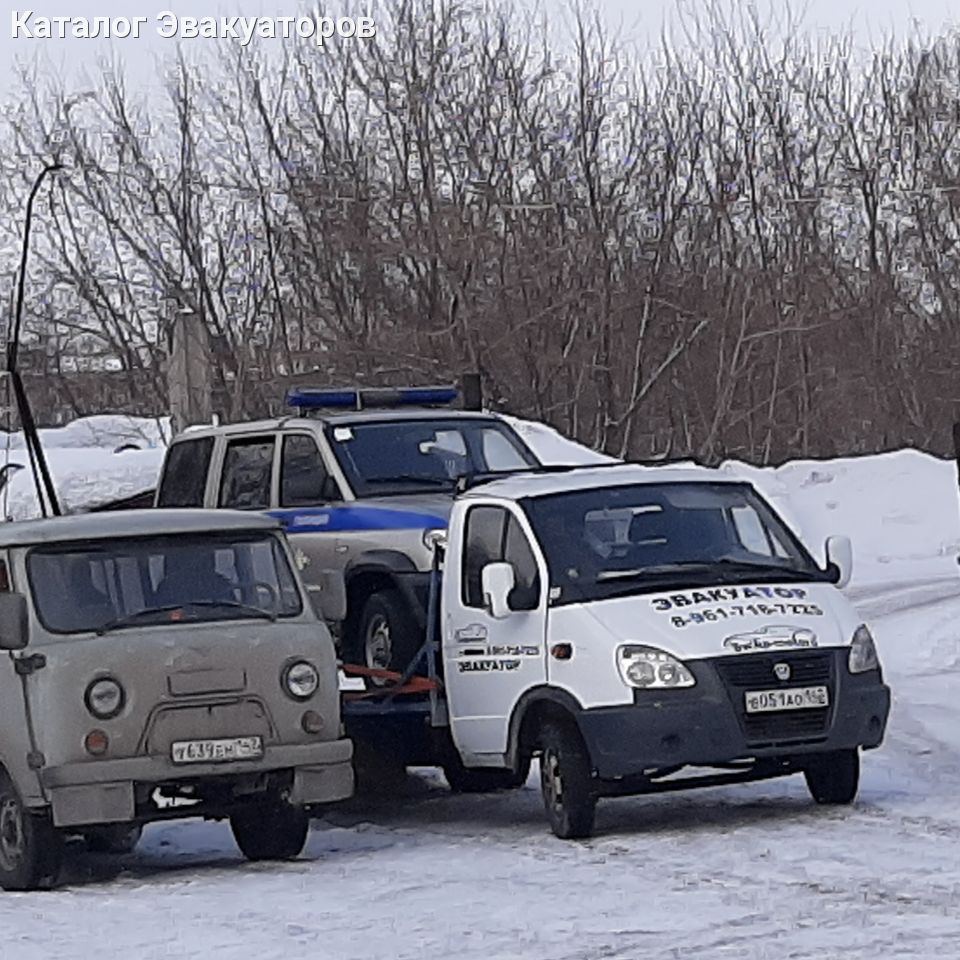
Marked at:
<point>247,467</point>
<point>184,477</point>
<point>303,475</point>
<point>481,545</point>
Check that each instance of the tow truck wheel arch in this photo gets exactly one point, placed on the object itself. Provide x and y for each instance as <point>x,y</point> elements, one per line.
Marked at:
<point>537,706</point>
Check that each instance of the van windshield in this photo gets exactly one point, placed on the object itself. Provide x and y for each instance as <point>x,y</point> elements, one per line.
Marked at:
<point>642,538</point>
<point>394,457</point>
<point>109,584</point>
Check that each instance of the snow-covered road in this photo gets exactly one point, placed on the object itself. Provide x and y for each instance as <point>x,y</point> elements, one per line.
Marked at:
<point>746,872</point>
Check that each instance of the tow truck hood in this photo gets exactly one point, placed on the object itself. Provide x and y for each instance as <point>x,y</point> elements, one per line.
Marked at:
<point>696,623</point>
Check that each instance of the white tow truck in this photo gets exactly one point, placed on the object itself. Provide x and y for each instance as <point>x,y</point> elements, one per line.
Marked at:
<point>637,629</point>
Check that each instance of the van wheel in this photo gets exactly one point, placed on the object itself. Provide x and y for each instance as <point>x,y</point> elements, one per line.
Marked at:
<point>566,781</point>
<point>31,849</point>
<point>276,831</point>
<point>482,780</point>
<point>115,838</point>
<point>387,636</point>
<point>833,778</point>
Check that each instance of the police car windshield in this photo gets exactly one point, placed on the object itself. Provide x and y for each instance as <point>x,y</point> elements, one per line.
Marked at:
<point>612,541</point>
<point>143,581</point>
<point>395,457</point>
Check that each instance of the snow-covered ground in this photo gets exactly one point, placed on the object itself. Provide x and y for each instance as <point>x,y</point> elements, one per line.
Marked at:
<point>740,872</point>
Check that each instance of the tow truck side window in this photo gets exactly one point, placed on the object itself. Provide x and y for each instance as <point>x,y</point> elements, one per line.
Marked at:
<point>303,475</point>
<point>184,478</point>
<point>493,535</point>
<point>247,469</point>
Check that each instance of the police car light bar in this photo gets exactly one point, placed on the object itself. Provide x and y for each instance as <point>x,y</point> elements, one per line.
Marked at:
<point>308,398</point>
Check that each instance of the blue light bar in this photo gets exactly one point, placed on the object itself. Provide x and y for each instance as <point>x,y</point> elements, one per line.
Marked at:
<point>309,398</point>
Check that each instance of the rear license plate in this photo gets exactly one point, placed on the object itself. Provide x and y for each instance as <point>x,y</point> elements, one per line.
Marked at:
<point>799,698</point>
<point>217,751</point>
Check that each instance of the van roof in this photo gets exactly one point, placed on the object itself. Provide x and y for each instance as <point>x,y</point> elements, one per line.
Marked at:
<point>130,523</point>
<point>517,486</point>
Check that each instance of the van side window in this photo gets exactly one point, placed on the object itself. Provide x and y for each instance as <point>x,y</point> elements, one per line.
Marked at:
<point>517,551</point>
<point>184,477</point>
<point>247,468</point>
<point>482,544</point>
<point>303,476</point>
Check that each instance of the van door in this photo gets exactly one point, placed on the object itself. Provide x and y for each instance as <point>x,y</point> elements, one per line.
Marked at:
<point>489,663</point>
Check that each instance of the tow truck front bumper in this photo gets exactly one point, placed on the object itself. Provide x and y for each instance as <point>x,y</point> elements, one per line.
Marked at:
<point>707,724</point>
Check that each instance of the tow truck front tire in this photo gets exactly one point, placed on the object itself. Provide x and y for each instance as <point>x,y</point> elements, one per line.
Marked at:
<point>566,781</point>
<point>833,778</point>
<point>275,831</point>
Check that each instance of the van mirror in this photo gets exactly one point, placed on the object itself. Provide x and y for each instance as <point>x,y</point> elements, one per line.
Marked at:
<point>329,596</point>
<point>839,551</point>
<point>13,621</point>
<point>496,582</point>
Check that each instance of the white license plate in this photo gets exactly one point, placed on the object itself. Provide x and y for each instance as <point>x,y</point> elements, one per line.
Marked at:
<point>800,698</point>
<point>217,751</point>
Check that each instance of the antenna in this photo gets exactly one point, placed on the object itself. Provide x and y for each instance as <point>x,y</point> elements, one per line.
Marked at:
<point>38,461</point>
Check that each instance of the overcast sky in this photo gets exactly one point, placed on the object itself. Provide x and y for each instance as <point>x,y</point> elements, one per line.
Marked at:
<point>869,20</point>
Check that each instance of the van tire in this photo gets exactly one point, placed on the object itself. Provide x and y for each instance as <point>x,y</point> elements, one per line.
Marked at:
<point>833,778</point>
<point>275,831</point>
<point>31,848</point>
<point>566,781</point>
<point>387,635</point>
<point>482,779</point>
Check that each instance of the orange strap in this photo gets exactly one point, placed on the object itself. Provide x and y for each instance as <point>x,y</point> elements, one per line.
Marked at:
<point>413,685</point>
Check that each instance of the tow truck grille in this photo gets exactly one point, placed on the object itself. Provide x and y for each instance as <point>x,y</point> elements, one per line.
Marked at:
<point>756,672</point>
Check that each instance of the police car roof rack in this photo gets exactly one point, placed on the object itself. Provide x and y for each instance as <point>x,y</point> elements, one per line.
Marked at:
<point>307,399</point>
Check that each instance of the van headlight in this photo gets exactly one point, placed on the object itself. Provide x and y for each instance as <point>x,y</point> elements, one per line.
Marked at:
<point>104,698</point>
<point>301,680</point>
<point>863,651</point>
<point>651,669</point>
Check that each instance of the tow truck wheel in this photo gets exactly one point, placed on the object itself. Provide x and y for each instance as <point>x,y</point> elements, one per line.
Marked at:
<point>566,781</point>
<point>276,831</point>
<point>31,849</point>
<point>833,778</point>
<point>387,636</point>
<point>481,780</point>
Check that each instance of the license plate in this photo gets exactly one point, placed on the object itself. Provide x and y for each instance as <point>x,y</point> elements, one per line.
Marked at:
<point>217,751</point>
<point>799,698</point>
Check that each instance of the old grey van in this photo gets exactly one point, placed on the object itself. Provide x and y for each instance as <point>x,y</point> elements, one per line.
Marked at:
<point>159,664</point>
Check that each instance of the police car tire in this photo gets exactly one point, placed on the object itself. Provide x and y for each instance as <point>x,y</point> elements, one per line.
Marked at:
<point>404,642</point>
<point>833,778</point>
<point>276,831</point>
<point>563,753</point>
<point>41,843</point>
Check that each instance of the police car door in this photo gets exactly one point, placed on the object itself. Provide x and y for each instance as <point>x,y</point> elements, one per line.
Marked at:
<point>489,662</point>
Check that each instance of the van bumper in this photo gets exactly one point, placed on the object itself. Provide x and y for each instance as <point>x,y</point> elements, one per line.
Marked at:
<point>103,791</point>
<point>707,724</point>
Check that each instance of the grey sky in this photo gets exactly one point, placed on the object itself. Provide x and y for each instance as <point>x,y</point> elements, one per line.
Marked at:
<point>870,20</point>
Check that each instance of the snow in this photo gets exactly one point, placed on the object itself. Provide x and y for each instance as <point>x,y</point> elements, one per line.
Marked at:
<point>741,872</point>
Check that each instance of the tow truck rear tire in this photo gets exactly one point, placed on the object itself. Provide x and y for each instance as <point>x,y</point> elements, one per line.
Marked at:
<point>387,633</point>
<point>276,831</point>
<point>566,781</point>
<point>31,848</point>
<point>833,778</point>
<point>481,779</point>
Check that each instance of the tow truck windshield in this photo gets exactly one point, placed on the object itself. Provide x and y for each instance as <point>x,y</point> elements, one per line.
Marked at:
<point>613,541</point>
<point>107,585</point>
<point>395,457</point>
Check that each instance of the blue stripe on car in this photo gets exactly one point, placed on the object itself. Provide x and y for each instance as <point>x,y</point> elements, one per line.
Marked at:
<point>345,519</point>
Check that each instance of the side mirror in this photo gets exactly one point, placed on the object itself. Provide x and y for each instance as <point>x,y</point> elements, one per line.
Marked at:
<point>496,582</point>
<point>13,621</point>
<point>329,596</point>
<point>839,553</point>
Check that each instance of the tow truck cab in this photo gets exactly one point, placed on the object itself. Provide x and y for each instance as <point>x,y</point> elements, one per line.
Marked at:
<point>631,624</point>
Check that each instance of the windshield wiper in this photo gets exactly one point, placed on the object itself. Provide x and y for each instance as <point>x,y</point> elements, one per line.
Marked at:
<point>724,564</point>
<point>412,478</point>
<point>130,618</point>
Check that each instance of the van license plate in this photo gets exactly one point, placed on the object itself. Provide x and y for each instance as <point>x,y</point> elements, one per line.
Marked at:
<point>217,751</point>
<point>800,698</point>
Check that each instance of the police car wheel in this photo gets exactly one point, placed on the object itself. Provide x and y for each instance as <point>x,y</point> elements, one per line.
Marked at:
<point>566,781</point>
<point>275,831</point>
<point>31,849</point>
<point>387,637</point>
<point>833,778</point>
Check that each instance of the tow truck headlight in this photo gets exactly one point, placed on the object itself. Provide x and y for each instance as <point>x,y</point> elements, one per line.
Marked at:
<point>652,669</point>
<point>863,651</point>
<point>104,698</point>
<point>301,680</point>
